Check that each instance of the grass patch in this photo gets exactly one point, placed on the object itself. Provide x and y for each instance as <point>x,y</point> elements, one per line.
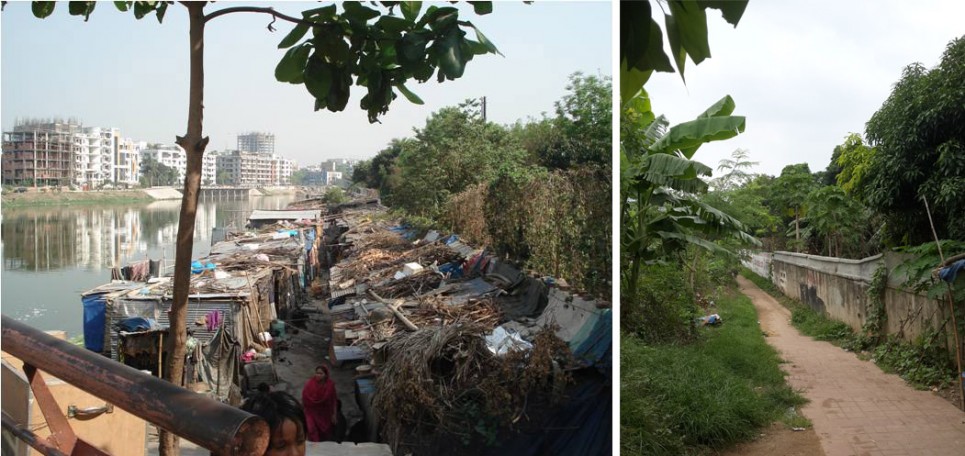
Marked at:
<point>687,399</point>
<point>53,198</point>
<point>923,363</point>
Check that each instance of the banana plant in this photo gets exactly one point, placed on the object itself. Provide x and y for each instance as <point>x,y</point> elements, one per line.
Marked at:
<point>660,183</point>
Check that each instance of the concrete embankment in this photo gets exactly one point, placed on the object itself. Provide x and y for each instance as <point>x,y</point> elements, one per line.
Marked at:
<point>162,193</point>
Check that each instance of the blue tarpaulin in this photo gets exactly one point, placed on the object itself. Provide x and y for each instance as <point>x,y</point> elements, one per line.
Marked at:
<point>594,349</point>
<point>95,308</point>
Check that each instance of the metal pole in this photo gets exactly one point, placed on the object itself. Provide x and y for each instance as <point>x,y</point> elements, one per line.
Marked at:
<point>218,427</point>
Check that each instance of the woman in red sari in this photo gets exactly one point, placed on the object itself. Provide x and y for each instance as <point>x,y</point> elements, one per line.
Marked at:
<point>319,400</point>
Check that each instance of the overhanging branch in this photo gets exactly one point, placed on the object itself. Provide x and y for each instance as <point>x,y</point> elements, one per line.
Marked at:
<point>261,10</point>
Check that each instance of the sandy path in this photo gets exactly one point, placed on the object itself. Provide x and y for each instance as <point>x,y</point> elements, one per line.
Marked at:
<point>856,408</point>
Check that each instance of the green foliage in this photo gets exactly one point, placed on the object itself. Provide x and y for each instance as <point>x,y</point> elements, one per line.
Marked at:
<point>664,308</point>
<point>681,399</point>
<point>877,315</point>
<point>919,139</point>
<point>334,195</point>
<point>837,220</point>
<point>660,210</point>
<point>641,39</point>
<point>853,159</point>
<point>560,227</point>
<point>584,119</point>
<point>918,269</point>
<point>455,150</point>
<point>924,363</point>
<point>379,51</point>
<point>154,173</point>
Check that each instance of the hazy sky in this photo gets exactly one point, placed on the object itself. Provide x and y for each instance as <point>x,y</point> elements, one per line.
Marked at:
<point>806,73</point>
<point>115,71</point>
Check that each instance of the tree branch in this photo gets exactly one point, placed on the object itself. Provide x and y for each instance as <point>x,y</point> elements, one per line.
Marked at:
<point>262,10</point>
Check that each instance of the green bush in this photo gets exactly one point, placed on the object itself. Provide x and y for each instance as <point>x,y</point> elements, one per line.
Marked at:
<point>664,309</point>
<point>681,399</point>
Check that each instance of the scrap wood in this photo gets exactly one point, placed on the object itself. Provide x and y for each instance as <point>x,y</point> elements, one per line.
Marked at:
<point>394,307</point>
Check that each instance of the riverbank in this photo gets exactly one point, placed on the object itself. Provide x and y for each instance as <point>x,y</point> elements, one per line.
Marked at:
<point>55,198</point>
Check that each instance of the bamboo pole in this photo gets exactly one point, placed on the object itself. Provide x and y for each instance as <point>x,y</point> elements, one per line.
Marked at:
<point>951,308</point>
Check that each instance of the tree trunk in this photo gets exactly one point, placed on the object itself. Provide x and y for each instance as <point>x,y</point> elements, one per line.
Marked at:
<point>797,230</point>
<point>194,144</point>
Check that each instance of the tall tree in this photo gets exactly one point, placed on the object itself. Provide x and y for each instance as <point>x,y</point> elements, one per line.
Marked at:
<point>853,161</point>
<point>584,117</point>
<point>369,47</point>
<point>919,139</point>
<point>791,191</point>
<point>734,171</point>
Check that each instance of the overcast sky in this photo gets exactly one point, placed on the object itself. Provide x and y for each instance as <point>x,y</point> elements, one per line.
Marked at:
<point>806,73</point>
<point>115,71</point>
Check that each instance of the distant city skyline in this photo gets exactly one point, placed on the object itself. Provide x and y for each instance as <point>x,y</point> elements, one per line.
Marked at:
<point>131,75</point>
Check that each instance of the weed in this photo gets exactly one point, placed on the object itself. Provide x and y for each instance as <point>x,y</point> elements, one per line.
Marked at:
<point>680,399</point>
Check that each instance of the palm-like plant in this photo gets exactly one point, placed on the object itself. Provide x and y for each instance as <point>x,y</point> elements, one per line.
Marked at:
<point>660,181</point>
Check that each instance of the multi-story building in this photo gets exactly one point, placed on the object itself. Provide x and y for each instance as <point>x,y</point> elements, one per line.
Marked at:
<point>245,169</point>
<point>127,162</point>
<point>59,153</point>
<point>94,152</point>
<point>39,153</point>
<point>262,143</point>
<point>172,156</point>
<point>282,169</point>
<point>209,168</point>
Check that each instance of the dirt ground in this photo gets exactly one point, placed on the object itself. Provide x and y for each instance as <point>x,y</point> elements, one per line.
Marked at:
<point>778,440</point>
<point>309,348</point>
<point>856,408</point>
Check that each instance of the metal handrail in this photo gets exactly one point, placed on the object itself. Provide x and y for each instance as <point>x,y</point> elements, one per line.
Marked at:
<point>223,429</point>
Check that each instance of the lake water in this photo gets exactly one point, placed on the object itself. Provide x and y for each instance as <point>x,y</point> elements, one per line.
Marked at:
<point>52,254</point>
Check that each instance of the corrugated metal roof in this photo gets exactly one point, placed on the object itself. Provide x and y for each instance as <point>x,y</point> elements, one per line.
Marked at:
<point>262,214</point>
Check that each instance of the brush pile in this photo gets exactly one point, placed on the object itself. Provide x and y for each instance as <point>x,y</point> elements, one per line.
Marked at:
<point>445,379</point>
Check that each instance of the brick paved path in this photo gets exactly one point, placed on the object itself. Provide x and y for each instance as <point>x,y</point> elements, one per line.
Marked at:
<point>856,408</point>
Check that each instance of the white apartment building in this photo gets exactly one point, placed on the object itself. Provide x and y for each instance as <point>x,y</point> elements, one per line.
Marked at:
<point>282,169</point>
<point>172,156</point>
<point>127,162</point>
<point>209,168</point>
<point>94,151</point>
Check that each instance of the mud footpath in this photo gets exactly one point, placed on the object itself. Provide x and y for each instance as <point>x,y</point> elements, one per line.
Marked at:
<point>307,340</point>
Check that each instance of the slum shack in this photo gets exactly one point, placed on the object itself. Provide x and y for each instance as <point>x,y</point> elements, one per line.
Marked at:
<point>460,352</point>
<point>236,293</point>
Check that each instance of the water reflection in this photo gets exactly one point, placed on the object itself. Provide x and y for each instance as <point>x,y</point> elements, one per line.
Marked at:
<point>90,237</point>
<point>51,254</point>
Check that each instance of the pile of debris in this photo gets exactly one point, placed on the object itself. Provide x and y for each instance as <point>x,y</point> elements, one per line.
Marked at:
<point>458,345</point>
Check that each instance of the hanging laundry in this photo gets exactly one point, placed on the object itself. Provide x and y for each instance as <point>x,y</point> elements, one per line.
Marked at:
<point>213,320</point>
<point>140,271</point>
